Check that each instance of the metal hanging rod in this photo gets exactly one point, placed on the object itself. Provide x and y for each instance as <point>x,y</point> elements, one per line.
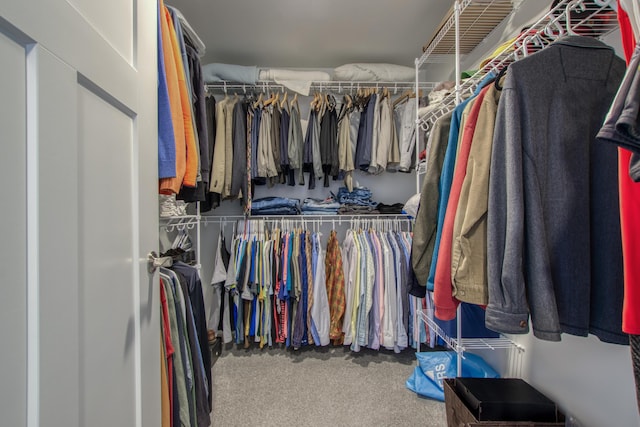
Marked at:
<point>380,222</point>
<point>212,219</point>
<point>320,86</point>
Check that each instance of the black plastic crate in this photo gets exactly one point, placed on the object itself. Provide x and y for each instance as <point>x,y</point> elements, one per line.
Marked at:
<point>505,399</point>
<point>498,402</point>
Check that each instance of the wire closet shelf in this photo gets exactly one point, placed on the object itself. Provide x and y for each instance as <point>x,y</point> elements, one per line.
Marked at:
<point>593,18</point>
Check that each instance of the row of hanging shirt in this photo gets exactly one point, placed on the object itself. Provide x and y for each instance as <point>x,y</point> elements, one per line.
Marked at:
<point>376,311</point>
<point>268,140</point>
<point>186,373</point>
<point>282,287</point>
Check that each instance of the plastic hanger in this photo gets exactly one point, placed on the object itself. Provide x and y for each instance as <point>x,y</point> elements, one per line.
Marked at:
<point>405,96</point>
<point>272,100</point>
<point>349,101</point>
<point>259,101</point>
<point>322,104</point>
<point>554,30</point>
<point>567,15</point>
<point>314,101</point>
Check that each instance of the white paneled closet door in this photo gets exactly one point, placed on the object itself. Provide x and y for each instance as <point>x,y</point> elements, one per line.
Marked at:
<point>79,320</point>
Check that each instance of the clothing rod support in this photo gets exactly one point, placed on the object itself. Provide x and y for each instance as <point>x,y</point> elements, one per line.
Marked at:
<point>342,86</point>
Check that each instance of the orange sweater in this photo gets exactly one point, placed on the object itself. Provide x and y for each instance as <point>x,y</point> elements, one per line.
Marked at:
<point>172,185</point>
<point>185,100</point>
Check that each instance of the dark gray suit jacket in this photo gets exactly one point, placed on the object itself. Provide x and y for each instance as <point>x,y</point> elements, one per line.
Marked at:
<point>554,244</point>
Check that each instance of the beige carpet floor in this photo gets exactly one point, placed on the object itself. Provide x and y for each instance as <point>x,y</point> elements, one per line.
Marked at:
<point>318,387</point>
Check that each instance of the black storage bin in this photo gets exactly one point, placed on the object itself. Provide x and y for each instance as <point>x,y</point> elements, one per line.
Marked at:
<point>505,399</point>
<point>493,402</point>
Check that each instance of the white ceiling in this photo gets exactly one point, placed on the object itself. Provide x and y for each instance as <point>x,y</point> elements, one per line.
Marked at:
<point>313,33</point>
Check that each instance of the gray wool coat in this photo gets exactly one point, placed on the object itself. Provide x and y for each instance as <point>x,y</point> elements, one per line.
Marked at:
<point>553,227</point>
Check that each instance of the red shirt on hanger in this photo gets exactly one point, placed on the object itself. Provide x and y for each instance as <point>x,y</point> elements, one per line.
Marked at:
<point>445,303</point>
<point>629,211</point>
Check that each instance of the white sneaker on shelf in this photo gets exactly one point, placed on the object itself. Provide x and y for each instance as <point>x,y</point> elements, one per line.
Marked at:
<point>168,206</point>
<point>181,207</point>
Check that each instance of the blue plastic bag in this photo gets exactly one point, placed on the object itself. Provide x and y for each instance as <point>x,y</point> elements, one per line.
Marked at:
<point>434,366</point>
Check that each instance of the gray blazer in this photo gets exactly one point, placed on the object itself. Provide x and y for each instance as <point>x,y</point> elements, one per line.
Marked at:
<point>554,244</point>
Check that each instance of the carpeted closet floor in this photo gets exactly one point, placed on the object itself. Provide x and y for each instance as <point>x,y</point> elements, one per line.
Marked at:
<point>318,387</point>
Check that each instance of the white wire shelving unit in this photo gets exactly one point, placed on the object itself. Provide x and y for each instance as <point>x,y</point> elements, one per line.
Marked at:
<point>592,21</point>
<point>594,18</point>
<point>185,223</point>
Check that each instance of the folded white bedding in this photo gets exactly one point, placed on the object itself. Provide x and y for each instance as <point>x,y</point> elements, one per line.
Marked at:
<point>297,81</point>
<point>371,72</point>
<point>289,75</point>
<point>216,72</point>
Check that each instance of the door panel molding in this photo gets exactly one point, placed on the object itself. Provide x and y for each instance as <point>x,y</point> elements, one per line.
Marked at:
<point>13,229</point>
<point>91,86</point>
<point>80,44</point>
<point>13,33</point>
